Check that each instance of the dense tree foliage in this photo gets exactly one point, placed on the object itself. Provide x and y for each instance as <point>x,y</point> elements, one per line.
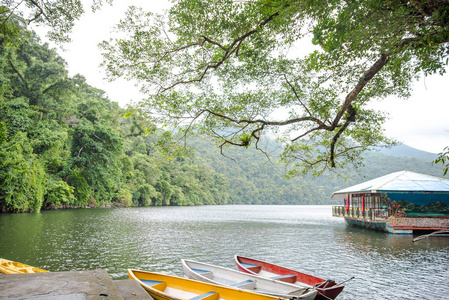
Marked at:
<point>63,143</point>
<point>228,68</point>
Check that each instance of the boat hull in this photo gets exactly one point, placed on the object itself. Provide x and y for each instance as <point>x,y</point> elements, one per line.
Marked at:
<point>166,287</point>
<point>233,278</point>
<point>326,288</point>
<point>12,267</point>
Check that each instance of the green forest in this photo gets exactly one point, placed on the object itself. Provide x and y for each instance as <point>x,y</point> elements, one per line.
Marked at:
<point>64,144</point>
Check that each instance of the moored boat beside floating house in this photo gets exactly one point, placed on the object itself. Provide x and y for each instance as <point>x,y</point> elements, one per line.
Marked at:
<point>400,203</point>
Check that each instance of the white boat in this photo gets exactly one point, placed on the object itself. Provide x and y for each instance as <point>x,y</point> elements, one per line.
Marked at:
<point>229,277</point>
<point>166,287</point>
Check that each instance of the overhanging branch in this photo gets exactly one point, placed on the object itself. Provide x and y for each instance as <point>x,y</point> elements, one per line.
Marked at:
<point>228,51</point>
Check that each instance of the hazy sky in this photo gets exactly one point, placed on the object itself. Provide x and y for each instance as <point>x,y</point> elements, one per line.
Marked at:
<point>421,121</point>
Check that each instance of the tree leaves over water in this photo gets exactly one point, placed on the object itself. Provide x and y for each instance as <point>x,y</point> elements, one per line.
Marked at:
<point>233,66</point>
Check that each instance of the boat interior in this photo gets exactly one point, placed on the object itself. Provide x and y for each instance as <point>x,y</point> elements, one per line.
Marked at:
<point>162,286</point>
<point>248,284</point>
<point>245,284</point>
<point>254,268</point>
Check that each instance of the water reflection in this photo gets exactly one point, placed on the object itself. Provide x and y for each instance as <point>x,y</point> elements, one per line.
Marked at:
<point>306,238</point>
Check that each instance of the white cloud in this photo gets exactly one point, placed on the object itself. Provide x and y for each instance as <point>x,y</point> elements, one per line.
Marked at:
<point>421,121</point>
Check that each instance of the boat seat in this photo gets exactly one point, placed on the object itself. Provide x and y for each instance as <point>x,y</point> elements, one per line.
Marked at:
<point>205,273</point>
<point>247,284</point>
<point>252,267</point>
<point>158,285</point>
<point>206,296</point>
<point>286,278</point>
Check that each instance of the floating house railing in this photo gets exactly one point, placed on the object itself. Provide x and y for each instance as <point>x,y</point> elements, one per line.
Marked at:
<point>368,214</point>
<point>377,216</point>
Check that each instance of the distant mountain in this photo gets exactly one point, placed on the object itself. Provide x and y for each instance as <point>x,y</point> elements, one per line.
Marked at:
<point>407,151</point>
<point>252,179</point>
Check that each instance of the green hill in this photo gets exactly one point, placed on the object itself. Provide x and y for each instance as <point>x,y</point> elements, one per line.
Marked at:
<point>407,151</point>
<point>253,179</point>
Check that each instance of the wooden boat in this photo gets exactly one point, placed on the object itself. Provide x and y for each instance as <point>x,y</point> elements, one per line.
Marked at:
<point>327,289</point>
<point>12,267</point>
<point>166,287</point>
<point>233,278</point>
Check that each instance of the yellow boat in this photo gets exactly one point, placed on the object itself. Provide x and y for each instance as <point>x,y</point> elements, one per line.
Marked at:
<point>166,287</point>
<point>12,267</point>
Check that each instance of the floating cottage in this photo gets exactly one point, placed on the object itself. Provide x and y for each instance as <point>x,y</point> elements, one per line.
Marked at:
<point>401,203</point>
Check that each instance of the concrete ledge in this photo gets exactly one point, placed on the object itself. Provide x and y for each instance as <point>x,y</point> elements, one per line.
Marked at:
<point>131,289</point>
<point>74,285</point>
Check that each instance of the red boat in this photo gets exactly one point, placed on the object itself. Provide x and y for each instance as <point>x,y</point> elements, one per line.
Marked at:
<point>327,289</point>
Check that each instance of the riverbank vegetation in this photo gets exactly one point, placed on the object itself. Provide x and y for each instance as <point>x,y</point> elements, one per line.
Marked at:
<point>64,144</point>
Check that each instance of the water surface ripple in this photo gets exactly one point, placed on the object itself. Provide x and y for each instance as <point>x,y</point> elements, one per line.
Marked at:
<point>305,238</point>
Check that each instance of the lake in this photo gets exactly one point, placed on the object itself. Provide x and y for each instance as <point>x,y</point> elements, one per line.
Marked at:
<point>305,238</point>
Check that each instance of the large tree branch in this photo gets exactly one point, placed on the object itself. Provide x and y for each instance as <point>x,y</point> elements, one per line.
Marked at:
<point>367,76</point>
<point>334,142</point>
<point>41,12</point>
<point>264,122</point>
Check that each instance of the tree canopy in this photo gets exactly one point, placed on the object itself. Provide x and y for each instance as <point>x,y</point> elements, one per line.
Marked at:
<point>236,70</point>
<point>58,16</point>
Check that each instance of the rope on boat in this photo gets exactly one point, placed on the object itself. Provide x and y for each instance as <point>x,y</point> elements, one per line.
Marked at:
<point>315,287</point>
<point>347,280</point>
<point>421,237</point>
<point>324,284</point>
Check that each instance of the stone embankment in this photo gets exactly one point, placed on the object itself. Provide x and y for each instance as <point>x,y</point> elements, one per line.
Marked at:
<point>74,285</point>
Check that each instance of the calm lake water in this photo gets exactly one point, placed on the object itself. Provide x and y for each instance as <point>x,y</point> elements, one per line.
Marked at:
<point>306,238</point>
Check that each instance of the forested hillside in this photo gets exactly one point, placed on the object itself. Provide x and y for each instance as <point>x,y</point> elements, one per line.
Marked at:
<point>64,144</point>
<point>253,179</point>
